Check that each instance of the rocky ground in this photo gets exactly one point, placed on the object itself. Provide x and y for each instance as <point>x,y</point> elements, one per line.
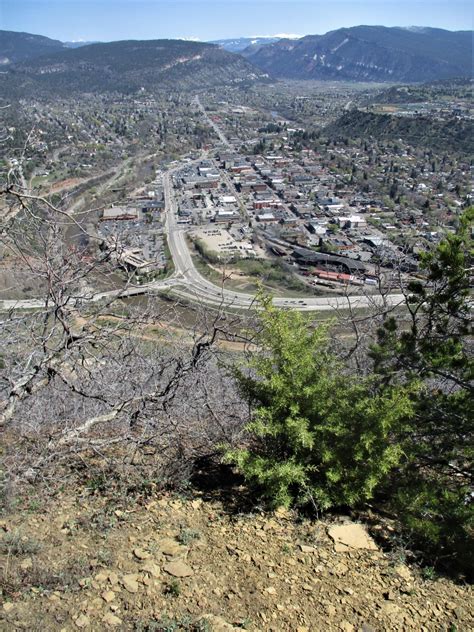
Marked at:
<point>89,561</point>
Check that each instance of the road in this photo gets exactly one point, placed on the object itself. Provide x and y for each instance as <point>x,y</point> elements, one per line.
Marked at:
<point>195,287</point>
<point>186,282</point>
<point>210,122</point>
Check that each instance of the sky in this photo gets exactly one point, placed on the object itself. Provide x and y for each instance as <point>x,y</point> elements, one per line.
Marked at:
<point>107,20</point>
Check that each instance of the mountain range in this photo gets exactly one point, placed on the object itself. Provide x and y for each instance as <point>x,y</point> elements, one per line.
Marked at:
<point>369,53</point>
<point>240,44</point>
<point>33,63</point>
<point>127,67</point>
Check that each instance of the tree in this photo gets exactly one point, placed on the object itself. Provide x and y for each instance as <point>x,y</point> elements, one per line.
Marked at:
<point>433,491</point>
<point>316,433</point>
<point>83,371</point>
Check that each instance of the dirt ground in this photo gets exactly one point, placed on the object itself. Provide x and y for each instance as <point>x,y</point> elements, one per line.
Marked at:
<point>89,561</point>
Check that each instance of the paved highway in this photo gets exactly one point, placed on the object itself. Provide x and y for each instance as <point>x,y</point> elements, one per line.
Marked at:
<point>194,286</point>
<point>186,282</point>
<point>212,124</point>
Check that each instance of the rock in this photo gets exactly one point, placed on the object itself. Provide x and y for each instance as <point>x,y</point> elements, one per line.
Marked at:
<point>95,604</point>
<point>113,578</point>
<point>170,547</point>
<point>403,572</point>
<point>178,569</point>
<point>307,549</point>
<point>341,568</point>
<point>140,554</point>
<point>350,536</point>
<point>82,621</point>
<point>111,619</point>
<point>271,590</point>
<point>130,583</point>
<point>8,606</point>
<point>218,624</point>
<point>392,610</point>
<point>345,626</point>
<point>283,513</point>
<point>151,568</point>
<point>108,596</point>
<point>26,564</point>
<point>101,577</point>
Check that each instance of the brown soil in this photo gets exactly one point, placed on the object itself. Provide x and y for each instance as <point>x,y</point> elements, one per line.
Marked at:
<point>67,184</point>
<point>96,563</point>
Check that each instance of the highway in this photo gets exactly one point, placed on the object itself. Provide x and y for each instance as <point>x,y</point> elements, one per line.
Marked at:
<point>211,123</point>
<point>186,282</point>
<point>195,287</point>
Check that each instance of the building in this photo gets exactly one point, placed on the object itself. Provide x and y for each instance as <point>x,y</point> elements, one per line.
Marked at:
<point>120,213</point>
<point>223,216</point>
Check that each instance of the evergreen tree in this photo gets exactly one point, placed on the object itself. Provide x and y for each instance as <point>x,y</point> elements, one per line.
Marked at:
<point>433,491</point>
<point>316,434</point>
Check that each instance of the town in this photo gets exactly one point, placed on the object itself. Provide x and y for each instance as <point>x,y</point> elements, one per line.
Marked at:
<point>262,196</point>
<point>329,219</point>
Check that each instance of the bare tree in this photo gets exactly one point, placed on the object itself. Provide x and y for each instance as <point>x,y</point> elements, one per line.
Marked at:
<point>87,372</point>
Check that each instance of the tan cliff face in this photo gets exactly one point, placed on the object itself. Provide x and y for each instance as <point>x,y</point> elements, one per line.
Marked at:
<point>96,562</point>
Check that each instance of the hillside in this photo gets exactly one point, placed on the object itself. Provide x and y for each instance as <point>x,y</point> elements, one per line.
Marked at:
<point>370,53</point>
<point>425,92</point>
<point>97,560</point>
<point>128,66</point>
<point>16,47</point>
<point>454,135</point>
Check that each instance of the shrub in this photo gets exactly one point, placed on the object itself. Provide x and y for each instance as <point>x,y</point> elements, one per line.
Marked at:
<point>316,434</point>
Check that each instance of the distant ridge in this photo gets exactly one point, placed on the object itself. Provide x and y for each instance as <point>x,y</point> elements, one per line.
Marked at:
<point>15,47</point>
<point>370,53</point>
<point>453,135</point>
<point>252,43</point>
<point>129,66</point>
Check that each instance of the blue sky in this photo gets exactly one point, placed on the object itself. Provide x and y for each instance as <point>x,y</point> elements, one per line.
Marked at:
<point>108,20</point>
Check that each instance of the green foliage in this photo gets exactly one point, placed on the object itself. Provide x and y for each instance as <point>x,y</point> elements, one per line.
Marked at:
<point>316,434</point>
<point>453,135</point>
<point>432,494</point>
<point>173,588</point>
<point>173,624</point>
<point>438,519</point>
<point>208,255</point>
<point>186,536</point>
<point>271,273</point>
<point>14,543</point>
